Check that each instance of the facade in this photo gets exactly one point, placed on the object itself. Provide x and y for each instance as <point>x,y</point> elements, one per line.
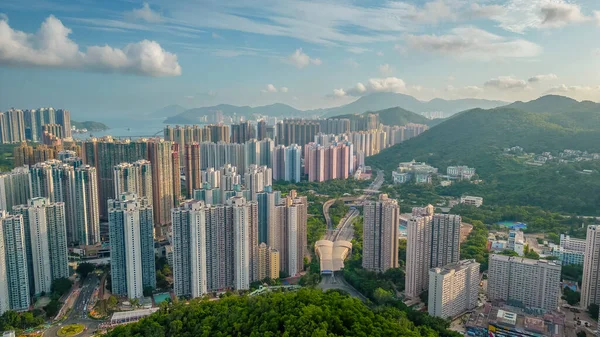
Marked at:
<point>192,168</point>
<point>323,163</point>
<point>453,289</point>
<point>287,163</point>
<point>524,282</point>
<point>163,199</point>
<point>460,172</point>
<point>245,240</point>
<point>268,262</point>
<point>296,131</point>
<point>189,249</point>
<point>420,173</point>
<point>266,209</point>
<point>86,209</point>
<point>380,243</point>
<point>45,242</point>
<point>287,232</point>
<point>570,250</point>
<point>14,278</point>
<point>14,188</point>
<point>131,245</point>
<point>257,178</point>
<point>590,286</point>
<point>134,178</point>
<point>516,242</point>
<point>12,126</point>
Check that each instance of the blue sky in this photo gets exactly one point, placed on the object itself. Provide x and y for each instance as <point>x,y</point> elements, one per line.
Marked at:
<point>131,57</point>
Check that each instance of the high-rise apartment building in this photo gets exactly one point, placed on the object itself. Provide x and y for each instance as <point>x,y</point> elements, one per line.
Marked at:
<point>243,132</point>
<point>261,130</point>
<point>570,250</point>
<point>287,232</point>
<point>104,154</point>
<point>524,282</point>
<point>590,287</point>
<point>131,230</point>
<point>380,243</point>
<point>159,155</point>
<point>453,289</point>
<point>23,154</point>
<point>134,178</point>
<point>287,163</point>
<point>257,178</point>
<point>189,223</point>
<point>335,126</point>
<point>267,200</point>
<point>14,278</point>
<point>14,188</point>
<point>12,126</point>
<point>192,168</point>
<point>433,241</point>
<point>245,240</point>
<point>45,241</point>
<point>297,131</point>
<point>445,239</point>
<point>85,205</point>
<point>268,262</point>
<point>323,163</point>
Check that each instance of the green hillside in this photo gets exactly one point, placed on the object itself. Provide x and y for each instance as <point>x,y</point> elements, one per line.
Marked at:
<point>392,116</point>
<point>477,137</point>
<point>556,104</point>
<point>306,312</point>
<point>90,126</point>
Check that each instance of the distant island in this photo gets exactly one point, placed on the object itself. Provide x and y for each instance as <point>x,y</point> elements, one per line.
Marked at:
<point>90,126</point>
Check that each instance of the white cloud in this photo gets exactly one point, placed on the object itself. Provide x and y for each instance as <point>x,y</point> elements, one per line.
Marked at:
<point>386,69</point>
<point>379,53</point>
<point>387,84</point>
<point>506,83</point>
<point>284,89</point>
<point>561,14</point>
<point>3,17</point>
<point>597,17</point>
<point>544,77</point>
<point>486,11</point>
<point>473,43</point>
<point>357,50</point>
<point>591,93</point>
<point>301,60</point>
<point>339,92</point>
<point>146,14</point>
<point>51,47</point>
<point>270,89</point>
<point>596,52</point>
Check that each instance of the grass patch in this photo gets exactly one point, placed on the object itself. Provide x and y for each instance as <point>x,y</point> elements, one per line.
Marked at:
<point>71,330</point>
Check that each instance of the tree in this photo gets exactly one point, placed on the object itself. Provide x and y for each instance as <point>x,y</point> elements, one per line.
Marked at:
<point>83,269</point>
<point>112,301</point>
<point>148,291</point>
<point>424,297</point>
<point>572,297</point>
<point>61,286</point>
<point>382,296</point>
<point>581,333</point>
<point>509,252</point>
<point>593,310</point>
<point>52,308</point>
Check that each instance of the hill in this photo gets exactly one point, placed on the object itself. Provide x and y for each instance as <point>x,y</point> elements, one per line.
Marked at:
<point>192,116</point>
<point>384,100</point>
<point>555,104</point>
<point>90,126</point>
<point>392,116</point>
<point>477,137</point>
<point>168,111</point>
<point>306,312</point>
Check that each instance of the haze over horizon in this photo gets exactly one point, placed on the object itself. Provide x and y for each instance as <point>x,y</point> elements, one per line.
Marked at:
<point>122,57</point>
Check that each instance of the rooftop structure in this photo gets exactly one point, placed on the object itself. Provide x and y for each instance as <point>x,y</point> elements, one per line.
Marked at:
<point>332,254</point>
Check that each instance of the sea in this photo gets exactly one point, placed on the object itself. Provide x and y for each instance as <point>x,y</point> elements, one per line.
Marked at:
<point>127,127</point>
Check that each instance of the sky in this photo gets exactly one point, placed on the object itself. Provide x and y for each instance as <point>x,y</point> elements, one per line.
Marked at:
<point>114,58</point>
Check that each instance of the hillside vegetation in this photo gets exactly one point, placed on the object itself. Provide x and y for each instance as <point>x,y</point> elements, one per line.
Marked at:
<point>391,116</point>
<point>306,312</point>
<point>477,138</point>
<point>90,126</point>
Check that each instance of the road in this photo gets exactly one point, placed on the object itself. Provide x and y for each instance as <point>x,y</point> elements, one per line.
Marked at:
<point>336,281</point>
<point>78,315</point>
<point>345,230</point>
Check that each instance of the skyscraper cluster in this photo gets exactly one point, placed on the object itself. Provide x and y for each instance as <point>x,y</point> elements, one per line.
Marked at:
<point>297,131</point>
<point>369,142</point>
<point>323,163</point>
<point>22,125</point>
<point>433,241</point>
<point>287,163</point>
<point>131,230</point>
<point>524,282</point>
<point>380,242</point>
<point>336,126</point>
<point>397,134</point>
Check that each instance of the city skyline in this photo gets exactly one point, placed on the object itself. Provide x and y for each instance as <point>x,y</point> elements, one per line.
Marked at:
<point>248,54</point>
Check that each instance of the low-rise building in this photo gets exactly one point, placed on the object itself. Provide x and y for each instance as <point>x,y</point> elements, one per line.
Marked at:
<point>421,173</point>
<point>570,250</point>
<point>471,201</point>
<point>460,172</point>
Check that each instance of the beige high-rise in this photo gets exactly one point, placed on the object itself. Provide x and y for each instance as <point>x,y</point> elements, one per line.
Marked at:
<point>590,287</point>
<point>380,242</point>
<point>159,155</point>
<point>453,288</point>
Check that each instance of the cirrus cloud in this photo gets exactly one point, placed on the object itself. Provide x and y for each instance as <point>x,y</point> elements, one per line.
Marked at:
<point>51,47</point>
<point>473,43</point>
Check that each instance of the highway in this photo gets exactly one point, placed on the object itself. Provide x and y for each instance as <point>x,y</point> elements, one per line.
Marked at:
<point>78,314</point>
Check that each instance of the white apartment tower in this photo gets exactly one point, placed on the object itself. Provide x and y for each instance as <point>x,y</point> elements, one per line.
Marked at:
<point>134,178</point>
<point>380,244</point>
<point>590,286</point>
<point>524,282</point>
<point>453,289</point>
<point>14,285</point>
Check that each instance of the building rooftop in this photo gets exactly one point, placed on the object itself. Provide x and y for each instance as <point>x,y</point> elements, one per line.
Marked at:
<point>332,254</point>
